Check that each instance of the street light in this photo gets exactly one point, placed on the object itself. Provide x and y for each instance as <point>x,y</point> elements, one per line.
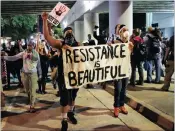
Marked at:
<point>65,24</point>
<point>31,37</point>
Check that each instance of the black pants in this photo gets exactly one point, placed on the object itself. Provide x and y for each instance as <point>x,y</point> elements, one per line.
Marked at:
<point>10,69</point>
<point>18,72</point>
<point>42,82</point>
<point>136,64</point>
<point>66,95</point>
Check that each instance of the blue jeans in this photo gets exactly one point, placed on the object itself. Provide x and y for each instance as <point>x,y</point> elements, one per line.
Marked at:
<point>120,92</point>
<point>157,62</point>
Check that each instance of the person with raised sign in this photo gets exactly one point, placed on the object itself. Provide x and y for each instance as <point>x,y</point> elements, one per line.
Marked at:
<point>67,96</point>
<point>121,36</point>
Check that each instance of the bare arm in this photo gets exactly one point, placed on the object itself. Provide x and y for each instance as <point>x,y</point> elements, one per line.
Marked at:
<point>53,42</point>
<point>15,57</point>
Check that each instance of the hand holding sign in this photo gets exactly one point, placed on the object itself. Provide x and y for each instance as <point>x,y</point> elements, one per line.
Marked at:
<point>93,64</point>
<point>58,13</point>
<point>67,47</point>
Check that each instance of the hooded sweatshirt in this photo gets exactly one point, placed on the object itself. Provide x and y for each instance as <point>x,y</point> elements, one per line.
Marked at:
<point>148,42</point>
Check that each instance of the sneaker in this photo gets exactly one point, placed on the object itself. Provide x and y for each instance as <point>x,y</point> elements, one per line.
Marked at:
<point>89,86</point>
<point>139,83</point>
<point>157,82</point>
<point>32,110</point>
<point>123,110</point>
<point>44,92</point>
<point>64,125</point>
<point>58,94</point>
<point>20,85</point>
<point>165,88</point>
<point>71,117</point>
<point>39,91</point>
<point>116,111</point>
<point>147,81</point>
<point>132,84</point>
<point>54,86</point>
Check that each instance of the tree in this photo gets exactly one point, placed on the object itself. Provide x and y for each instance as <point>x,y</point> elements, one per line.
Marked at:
<point>19,26</point>
<point>58,32</point>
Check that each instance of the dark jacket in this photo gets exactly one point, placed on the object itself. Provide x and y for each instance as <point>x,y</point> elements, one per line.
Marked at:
<point>148,42</point>
<point>91,42</point>
<point>101,39</point>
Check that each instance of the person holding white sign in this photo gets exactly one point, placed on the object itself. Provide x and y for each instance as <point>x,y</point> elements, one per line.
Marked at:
<point>67,96</point>
<point>121,36</point>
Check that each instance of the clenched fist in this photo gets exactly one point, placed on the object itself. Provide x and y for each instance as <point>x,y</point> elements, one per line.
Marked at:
<point>44,16</point>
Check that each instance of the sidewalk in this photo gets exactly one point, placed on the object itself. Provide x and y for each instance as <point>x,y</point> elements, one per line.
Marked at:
<point>150,101</point>
<point>94,111</point>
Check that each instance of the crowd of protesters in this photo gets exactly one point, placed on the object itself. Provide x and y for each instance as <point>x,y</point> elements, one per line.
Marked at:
<point>31,64</point>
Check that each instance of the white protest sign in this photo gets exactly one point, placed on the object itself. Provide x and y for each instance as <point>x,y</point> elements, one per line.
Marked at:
<point>93,64</point>
<point>58,13</point>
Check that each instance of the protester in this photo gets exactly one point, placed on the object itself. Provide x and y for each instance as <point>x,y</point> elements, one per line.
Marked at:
<point>90,40</point>
<point>152,42</point>
<point>87,43</point>
<point>102,38</point>
<point>67,96</point>
<point>18,64</point>
<point>121,36</point>
<point>54,65</point>
<point>10,64</point>
<point>43,53</point>
<point>137,57</point>
<point>169,56</point>
<point>31,62</point>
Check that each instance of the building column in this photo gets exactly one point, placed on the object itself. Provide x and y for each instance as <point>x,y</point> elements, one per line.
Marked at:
<point>78,31</point>
<point>90,20</point>
<point>149,19</point>
<point>120,12</point>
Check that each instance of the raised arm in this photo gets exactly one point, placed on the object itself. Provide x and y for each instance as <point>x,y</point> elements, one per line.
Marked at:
<point>37,43</point>
<point>95,34</point>
<point>53,42</point>
<point>14,58</point>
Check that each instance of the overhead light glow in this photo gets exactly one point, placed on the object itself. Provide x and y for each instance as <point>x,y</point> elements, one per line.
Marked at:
<point>31,37</point>
<point>65,24</point>
<point>89,5</point>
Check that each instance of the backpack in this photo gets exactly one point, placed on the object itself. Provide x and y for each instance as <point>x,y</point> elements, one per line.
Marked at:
<point>154,46</point>
<point>139,51</point>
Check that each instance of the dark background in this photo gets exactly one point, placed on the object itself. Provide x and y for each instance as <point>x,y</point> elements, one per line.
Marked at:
<point>139,21</point>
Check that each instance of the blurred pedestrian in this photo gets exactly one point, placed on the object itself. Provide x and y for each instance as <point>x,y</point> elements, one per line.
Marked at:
<point>152,42</point>
<point>169,57</point>
<point>31,63</point>
<point>137,57</point>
